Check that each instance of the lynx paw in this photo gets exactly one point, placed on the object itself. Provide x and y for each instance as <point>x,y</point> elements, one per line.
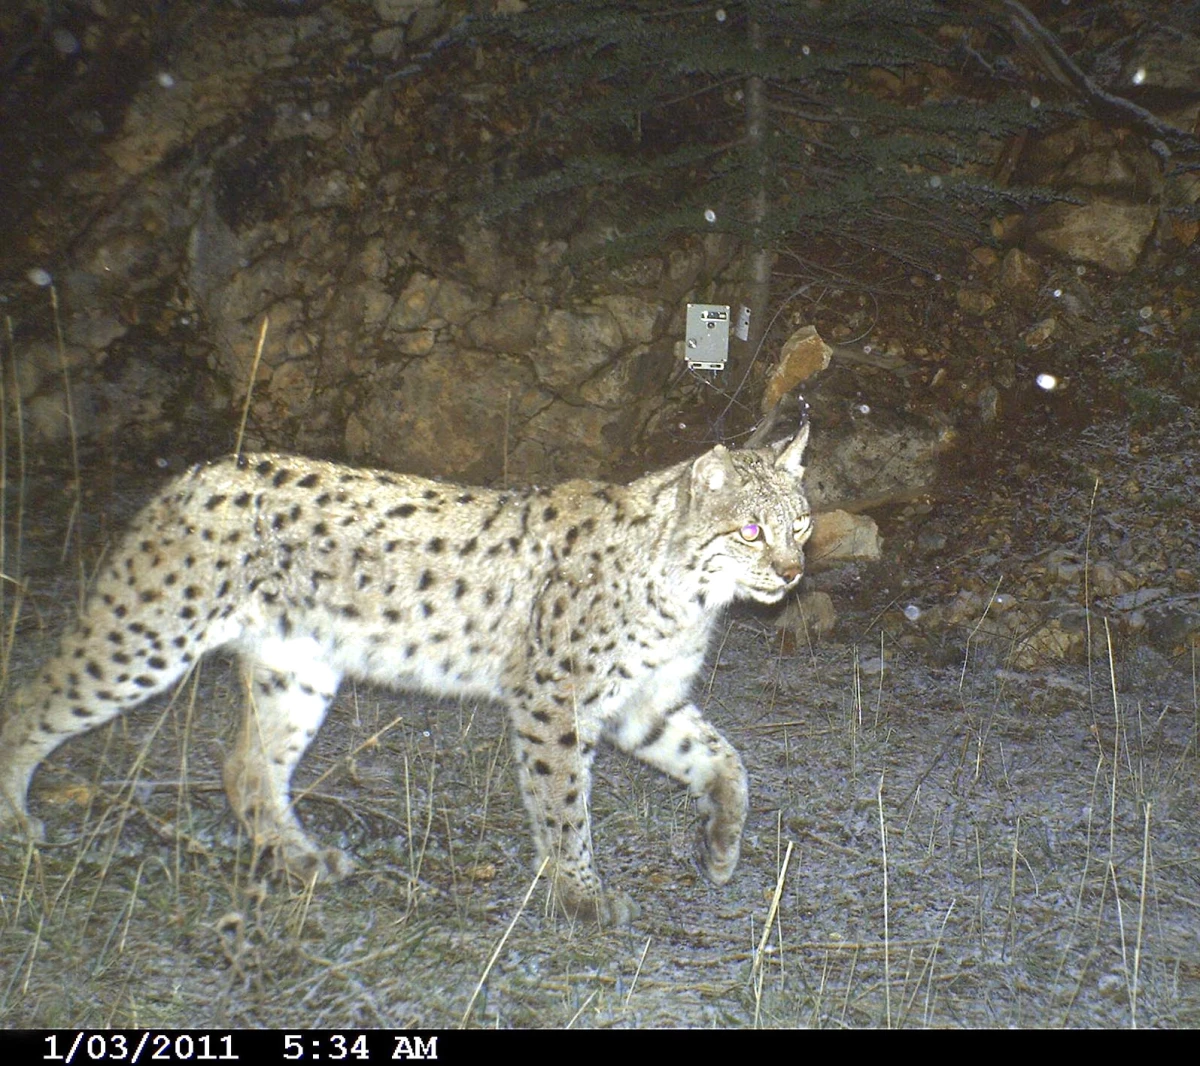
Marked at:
<point>17,825</point>
<point>717,857</point>
<point>307,863</point>
<point>612,910</point>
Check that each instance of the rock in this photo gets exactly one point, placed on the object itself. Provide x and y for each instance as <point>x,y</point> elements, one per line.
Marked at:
<point>457,303</point>
<point>1040,332</point>
<point>1174,627</point>
<point>510,326</point>
<point>841,537</point>
<point>931,543</point>
<point>807,616</point>
<point>573,344</point>
<point>989,404</point>
<point>489,265</point>
<point>416,342</point>
<point>1104,579</point>
<point>455,413</point>
<point>1051,643</point>
<point>564,439</point>
<point>49,420</point>
<point>803,354</point>
<point>414,305</point>
<point>975,301</point>
<point>1166,58</point>
<point>1020,272</point>
<point>1105,168</point>
<point>1107,234</point>
<point>41,363</point>
<point>400,10</point>
<point>637,319</point>
<point>869,461</point>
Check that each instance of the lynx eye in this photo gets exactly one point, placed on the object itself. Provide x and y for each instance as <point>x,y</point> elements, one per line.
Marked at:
<point>751,531</point>
<point>801,527</point>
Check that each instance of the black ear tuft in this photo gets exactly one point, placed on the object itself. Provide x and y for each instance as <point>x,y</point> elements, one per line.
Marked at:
<point>782,424</point>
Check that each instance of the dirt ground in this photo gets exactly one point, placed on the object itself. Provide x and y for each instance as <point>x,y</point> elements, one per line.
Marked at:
<point>937,837</point>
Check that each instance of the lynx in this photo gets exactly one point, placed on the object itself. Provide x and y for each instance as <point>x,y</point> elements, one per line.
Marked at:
<point>585,609</point>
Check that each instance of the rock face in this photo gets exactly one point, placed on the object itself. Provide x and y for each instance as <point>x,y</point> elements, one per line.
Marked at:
<point>396,333</point>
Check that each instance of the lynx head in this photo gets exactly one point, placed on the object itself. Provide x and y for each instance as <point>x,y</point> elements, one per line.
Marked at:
<point>749,508</point>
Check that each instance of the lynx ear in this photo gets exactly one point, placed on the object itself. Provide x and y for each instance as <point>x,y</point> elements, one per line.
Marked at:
<point>711,471</point>
<point>791,459</point>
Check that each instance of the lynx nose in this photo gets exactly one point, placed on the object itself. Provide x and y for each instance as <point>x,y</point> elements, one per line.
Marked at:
<point>790,571</point>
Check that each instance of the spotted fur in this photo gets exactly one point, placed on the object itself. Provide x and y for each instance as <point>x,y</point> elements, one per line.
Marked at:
<point>584,609</point>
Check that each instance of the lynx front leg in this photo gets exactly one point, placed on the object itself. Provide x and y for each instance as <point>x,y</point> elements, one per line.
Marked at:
<point>554,770</point>
<point>681,744</point>
<point>289,687</point>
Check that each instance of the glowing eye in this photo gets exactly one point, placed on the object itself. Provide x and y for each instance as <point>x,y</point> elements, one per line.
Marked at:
<point>801,528</point>
<point>751,531</point>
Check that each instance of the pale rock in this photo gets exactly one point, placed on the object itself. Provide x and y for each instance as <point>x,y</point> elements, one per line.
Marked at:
<point>415,342</point>
<point>291,385</point>
<point>1040,332</point>
<point>1051,643</point>
<point>414,304</point>
<point>840,537</point>
<point>1105,168</point>
<point>803,354</point>
<point>400,10</point>
<point>808,616</point>
<point>457,303</point>
<point>375,303</point>
<point>1110,235</point>
<point>510,326</point>
<point>974,301</point>
<point>40,361</point>
<point>573,344</point>
<point>1020,272</point>
<point>636,318</point>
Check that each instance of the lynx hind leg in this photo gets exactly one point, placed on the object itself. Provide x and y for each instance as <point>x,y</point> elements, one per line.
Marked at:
<point>554,771</point>
<point>289,685</point>
<point>681,744</point>
<point>82,687</point>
